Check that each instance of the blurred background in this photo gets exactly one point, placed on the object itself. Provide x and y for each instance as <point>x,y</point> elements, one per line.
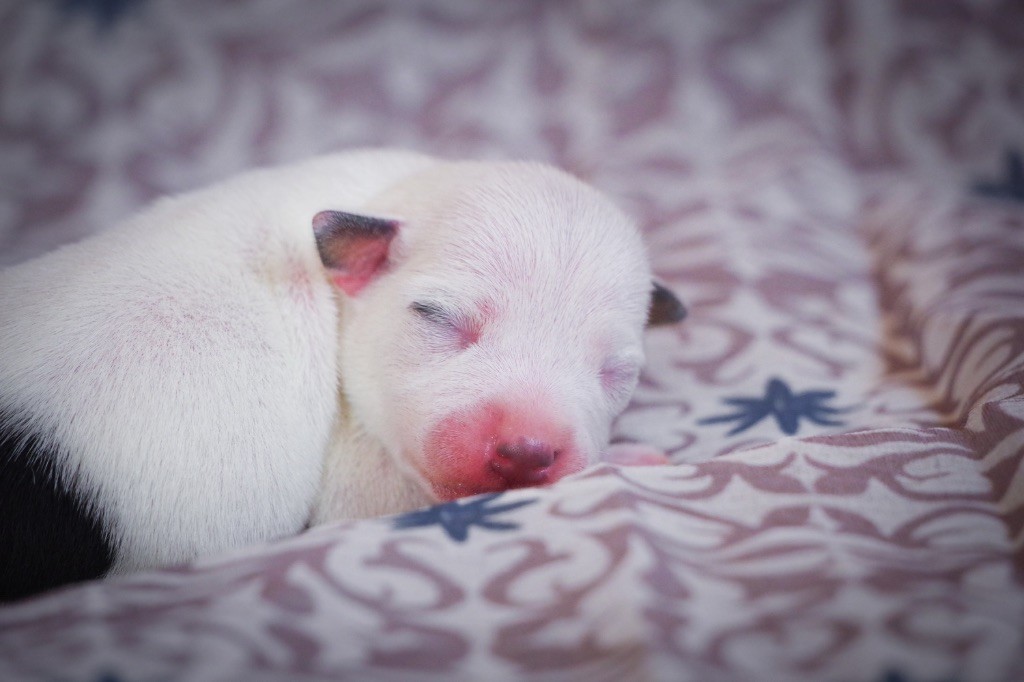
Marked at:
<point>105,104</point>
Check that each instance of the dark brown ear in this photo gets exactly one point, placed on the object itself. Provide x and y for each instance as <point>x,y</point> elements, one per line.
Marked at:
<point>665,308</point>
<point>352,247</point>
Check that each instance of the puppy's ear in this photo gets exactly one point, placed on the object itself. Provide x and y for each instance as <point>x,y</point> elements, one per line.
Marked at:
<point>665,308</point>
<point>353,248</point>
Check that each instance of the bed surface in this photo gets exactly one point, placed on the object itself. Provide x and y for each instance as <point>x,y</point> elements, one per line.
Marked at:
<point>835,189</point>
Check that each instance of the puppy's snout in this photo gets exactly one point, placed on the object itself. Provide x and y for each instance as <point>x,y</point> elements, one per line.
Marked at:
<point>497,445</point>
<point>524,460</point>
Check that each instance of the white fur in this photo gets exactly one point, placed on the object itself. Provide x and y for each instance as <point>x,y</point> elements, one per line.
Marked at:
<point>185,360</point>
<point>188,360</point>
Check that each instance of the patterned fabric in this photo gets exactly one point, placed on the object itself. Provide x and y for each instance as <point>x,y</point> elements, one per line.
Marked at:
<point>831,187</point>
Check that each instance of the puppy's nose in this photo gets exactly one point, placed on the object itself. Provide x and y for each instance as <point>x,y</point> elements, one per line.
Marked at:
<point>523,461</point>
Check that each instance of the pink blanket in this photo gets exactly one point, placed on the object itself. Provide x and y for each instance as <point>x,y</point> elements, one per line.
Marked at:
<point>827,185</point>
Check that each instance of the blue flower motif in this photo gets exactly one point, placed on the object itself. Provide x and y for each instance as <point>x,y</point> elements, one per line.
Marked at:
<point>456,517</point>
<point>105,12</point>
<point>780,402</point>
<point>1012,187</point>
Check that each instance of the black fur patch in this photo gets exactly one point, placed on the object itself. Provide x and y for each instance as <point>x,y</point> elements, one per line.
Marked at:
<point>47,536</point>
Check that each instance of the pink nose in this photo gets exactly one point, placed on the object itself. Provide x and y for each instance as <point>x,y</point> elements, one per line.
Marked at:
<point>523,461</point>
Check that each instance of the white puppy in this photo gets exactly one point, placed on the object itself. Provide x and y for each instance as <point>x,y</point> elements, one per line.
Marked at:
<point>170,387</point>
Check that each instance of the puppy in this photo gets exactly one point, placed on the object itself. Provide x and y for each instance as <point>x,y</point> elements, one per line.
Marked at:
<point>356,334</point>
<point>490,333</point>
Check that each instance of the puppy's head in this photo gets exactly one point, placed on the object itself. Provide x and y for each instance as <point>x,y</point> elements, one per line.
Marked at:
<point>491,322</point>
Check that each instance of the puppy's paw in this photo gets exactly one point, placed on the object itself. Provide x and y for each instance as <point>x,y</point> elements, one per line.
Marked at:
<point>635,454</point>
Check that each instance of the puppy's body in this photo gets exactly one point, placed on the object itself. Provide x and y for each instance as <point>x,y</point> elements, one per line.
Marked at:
<point>176,375</point>
<point>170,387</point>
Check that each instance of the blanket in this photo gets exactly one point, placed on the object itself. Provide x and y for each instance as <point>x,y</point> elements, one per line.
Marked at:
<point>835,189</point>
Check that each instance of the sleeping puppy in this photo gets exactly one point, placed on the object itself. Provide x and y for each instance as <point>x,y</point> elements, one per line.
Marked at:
<point>358,334</point>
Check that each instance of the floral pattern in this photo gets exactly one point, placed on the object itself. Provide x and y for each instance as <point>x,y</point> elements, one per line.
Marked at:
<point>811,178</point>
<point>786,407</point>
<point>457,517</point>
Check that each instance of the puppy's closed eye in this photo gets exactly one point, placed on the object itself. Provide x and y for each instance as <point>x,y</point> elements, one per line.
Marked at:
<point>465,330</point>
<point>618,376</point>
<point>432,312</point>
